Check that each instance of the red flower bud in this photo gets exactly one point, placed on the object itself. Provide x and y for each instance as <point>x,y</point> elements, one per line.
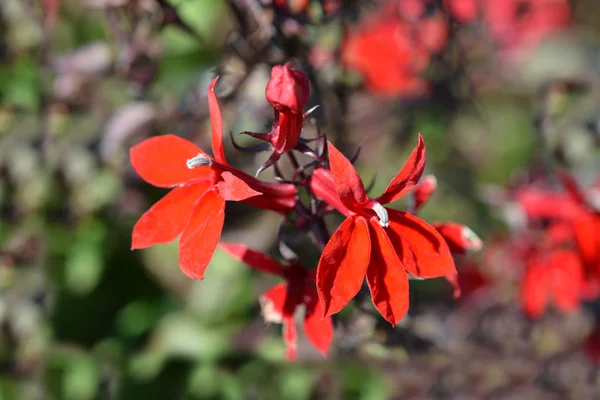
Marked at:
<point>288,89</point>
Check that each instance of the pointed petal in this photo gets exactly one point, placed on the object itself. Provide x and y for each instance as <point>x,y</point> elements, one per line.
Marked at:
<point>535,290</point>
<point>453,280</point>
<point>386,277</point>
<point>318,331</point>
<point>161,161</point>
<point>343,264</point>
<point>459,238</point>
<point>216,124</point>
<point>567,280</point>
<point>257,260</point>
<point>408,176</point>
<point>348,184</point>
<point>272,304</point>
<point>572,186</point>
<point>290,337</point>
<point>201,235</point>
<point>420,247</point>
<point>323,186</point>
<point>167,218</point>
<point>233,188</point>
<point>588,242</point>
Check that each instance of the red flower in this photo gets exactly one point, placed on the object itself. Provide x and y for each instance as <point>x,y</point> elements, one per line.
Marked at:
<point>460,238</point>
<point>280,303</point>
<point>195,207</point>
<point>287,91</point>
<point>393,47</point>
<point>375,241</point>
<point>554,276</point>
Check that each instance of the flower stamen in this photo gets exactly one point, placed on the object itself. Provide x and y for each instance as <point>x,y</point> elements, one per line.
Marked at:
<point>381,212</point>
<point>201,160</point>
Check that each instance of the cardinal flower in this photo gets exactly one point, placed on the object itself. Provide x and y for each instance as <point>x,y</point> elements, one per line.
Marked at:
<point>375,241</point>
<point>287,91</point>
<point>553,273</point>
<point>280,303</point>
<point>201,184</point>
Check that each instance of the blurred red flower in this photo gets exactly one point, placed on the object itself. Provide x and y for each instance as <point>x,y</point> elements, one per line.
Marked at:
<point>281,302</point>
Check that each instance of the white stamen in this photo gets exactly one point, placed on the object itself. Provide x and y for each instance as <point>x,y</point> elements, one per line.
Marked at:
<point>382,213</point>
<point>200,160</point>
<point>475,243</point>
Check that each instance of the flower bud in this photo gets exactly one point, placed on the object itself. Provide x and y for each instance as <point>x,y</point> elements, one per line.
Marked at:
<point>288,90</point>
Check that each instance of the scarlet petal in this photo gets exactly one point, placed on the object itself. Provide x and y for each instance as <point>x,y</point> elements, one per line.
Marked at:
<point>343,264</point>
<point>201,235</point>
<point>272,304</point>
<point>458,237</point>
<point>166,219</point>
<point>233,188</point>
<point>386,278</point>
<point>318,331</point>
<point>586,231</point>
<point>216,123</point>
<point>348,184</point>
<point>567,281</point>
<point>408,176</point>
<point>161,161</point>
<point>290,337</point>
<point>535,290</point>
<point>257,260</point>
<point>422,250</point>
<point>423,192</point>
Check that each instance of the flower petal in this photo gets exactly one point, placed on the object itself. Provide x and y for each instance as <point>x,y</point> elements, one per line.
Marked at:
<point>459,238</point>
<point>272,304</point>
<point>348,184</point>
<point>420,247</point>
<point>290,337</point>
<point>408,176</point>
<point>567,280</point>
<point>233,188</point>
<point>318,331</point>
<point>201,235</point>
<point>216,124</point>
<point>167,218</point>
<point>257,260</point>
<point>343,264</point>
<point>386,277</point>
<point>161,161</point>
<point>535,290</point>
<point>422,192</point>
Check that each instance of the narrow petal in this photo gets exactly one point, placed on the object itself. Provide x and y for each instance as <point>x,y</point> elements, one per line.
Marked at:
<point>201,235</point>
<point>167,218</point>
<point>348,184</point>
<point>343,264</point>
<point>257,260</point>
<point>535,290</point>
<point>318,331</point>
<point>567,280</point>
<point>408,176</point>
<point>453,280</point>
<point>272,303</point>
<point>233,188</point>
<point>290,337</point>
<point>386,277</point>
<point>323,186</point>
<point>422,250</point>
<point>572,186</point>
<point>588,242</point>
<point>161,161</point>
<point>216,123</point>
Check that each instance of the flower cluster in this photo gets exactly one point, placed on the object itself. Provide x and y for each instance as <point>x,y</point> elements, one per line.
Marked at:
<point>393,46</point>
<point>558,245</point>
<point>374,242</point>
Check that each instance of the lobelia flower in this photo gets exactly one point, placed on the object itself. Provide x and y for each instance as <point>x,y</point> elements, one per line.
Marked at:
<point>374,241</point>
<point>553,273</point>
<point>280,303</point>
<point>195,207</point>
<point>288,92</point>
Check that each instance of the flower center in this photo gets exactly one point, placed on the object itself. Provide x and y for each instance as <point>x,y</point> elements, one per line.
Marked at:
<point>201,160</point>
<point>381,212</point>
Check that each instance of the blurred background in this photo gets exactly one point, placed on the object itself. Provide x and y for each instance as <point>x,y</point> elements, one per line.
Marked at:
<point>504,92</point>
